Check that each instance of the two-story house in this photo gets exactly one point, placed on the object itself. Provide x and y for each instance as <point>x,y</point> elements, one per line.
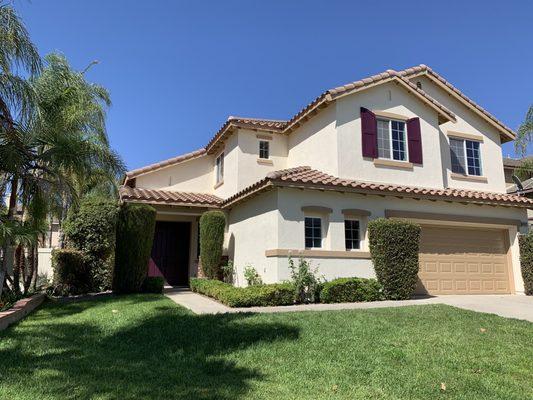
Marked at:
<point>400,144</point>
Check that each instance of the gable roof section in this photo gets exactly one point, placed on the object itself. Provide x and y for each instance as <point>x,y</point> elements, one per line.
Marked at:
<point>305,177</point>
<point>507,134</point>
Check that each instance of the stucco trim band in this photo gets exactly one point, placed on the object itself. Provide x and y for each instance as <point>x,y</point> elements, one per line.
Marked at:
<point>317,209</point>
<point>467,136</point>
<point>317,253</point>
<point>355,212</point>
<point>469,178</point>
<point>389,115</point>
<point>379,162</point>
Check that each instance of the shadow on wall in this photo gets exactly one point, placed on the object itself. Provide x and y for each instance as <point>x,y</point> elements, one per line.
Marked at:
<point>169,355</point>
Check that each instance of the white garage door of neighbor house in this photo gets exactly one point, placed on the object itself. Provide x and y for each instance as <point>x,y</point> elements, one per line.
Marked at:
<point>455,260</point>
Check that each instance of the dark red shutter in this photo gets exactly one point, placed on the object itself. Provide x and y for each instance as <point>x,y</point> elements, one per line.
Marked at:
<point>369,130</point>
<point>414,140</point>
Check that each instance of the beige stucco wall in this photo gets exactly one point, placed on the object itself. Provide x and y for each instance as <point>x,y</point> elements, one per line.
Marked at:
<point>276,221</point>
<point>194,175</point>
<point>469,122</point>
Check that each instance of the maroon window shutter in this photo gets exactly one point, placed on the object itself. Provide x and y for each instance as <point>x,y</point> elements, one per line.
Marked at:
<point>369,130</point>
<point>414,140</point>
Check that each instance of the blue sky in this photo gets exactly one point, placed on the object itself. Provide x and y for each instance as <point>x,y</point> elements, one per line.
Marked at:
<point>177,69</point>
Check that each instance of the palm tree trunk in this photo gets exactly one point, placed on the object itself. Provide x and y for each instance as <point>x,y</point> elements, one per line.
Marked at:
<point>18,268</point>
<point>7,249</point>
<point>31,268</point>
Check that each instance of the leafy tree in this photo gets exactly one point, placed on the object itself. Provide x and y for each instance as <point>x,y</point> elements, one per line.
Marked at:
<point>524,138</point>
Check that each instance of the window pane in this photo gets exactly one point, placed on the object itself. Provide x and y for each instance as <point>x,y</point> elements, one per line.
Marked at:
<point>458,156</point>
<point>351,233</point>
<point>313,232</point>
<point>264,147</point>
<point>383,139</point>
<point>398,141</point>
<point>473,158</point>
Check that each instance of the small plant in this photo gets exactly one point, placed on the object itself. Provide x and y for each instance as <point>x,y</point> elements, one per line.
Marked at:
<point>252,276</point>
<point>153,284</point>
<point>72,273</point>
<point>228,271</point>
<point>306,284</point>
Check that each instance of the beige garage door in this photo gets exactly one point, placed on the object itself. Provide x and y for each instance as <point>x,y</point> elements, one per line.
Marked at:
<point>463,261</point>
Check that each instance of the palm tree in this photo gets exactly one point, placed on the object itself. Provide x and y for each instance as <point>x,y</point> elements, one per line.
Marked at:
<point>524,138</point>
<point>17,55</point>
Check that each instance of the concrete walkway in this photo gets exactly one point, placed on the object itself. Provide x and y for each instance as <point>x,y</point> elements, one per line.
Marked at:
<point>509,306</point>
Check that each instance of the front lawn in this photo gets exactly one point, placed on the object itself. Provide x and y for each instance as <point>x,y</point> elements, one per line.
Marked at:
<point>145,347</point>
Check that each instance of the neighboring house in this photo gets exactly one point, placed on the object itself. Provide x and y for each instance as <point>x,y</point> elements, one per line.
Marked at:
<point>509,166</point>
<point>403,144</point>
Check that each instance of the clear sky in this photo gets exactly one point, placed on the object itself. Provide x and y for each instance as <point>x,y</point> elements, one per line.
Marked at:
<point>177,69</point>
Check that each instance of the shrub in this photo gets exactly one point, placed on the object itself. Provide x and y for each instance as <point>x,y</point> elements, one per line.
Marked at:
<point>306,284</point>
<point>526,261</point>
<point>72,274</point>
<point>276,294</point>
<point>251,276</point>
<point>349,290</point>
<point>91,229</point>
<point>135,234</point>
<point>394,248</point>
<point>212,225</point>
<point>228,271</point>
<point>153,284</point>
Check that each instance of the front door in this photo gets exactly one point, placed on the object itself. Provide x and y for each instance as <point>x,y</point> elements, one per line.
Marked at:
<point>170,251</point>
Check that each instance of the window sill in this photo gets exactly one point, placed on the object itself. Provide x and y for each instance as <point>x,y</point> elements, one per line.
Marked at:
<point>380,162</point>
<point>265,161</point>
<point>469,178</point>
<point>218,184</point>
<point>355,254</point>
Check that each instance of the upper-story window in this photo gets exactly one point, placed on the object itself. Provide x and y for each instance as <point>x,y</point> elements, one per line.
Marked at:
<point>264,149</point>
<point>219,163</point>
<point>466,157</point>
<point>391,140</point>
<point>313,232</point>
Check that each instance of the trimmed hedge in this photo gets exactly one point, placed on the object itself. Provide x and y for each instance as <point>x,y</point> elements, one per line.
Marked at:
<point>135,234</point>
<point>91,229</point>
<point>349,290</point>
<point>394,248</point>
<point>212,226</point>
<point>277,294</point>
<point>72,274</point>
<point>526,261</point>
<point>153,284</point>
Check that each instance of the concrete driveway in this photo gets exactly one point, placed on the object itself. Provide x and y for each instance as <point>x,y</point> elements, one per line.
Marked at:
<point>520,307</point>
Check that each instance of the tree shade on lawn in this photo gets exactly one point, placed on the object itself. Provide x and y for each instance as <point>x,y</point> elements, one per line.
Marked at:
<point>145,347</point>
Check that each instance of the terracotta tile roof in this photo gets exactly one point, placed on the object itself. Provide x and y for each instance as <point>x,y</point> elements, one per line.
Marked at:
<point>162,164</point>
<point>515,162</point>
<point>422,68</point>
<point>168,197</point>
<point>527,187</point>
<point>310,178</point>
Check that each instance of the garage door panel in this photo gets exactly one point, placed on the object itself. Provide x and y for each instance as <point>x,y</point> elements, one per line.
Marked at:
<point>462,260</point>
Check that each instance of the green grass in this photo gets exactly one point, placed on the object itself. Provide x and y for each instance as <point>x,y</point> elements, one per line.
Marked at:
<point>145,347</point>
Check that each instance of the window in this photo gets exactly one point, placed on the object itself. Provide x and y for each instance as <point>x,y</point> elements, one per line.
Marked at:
<point>220,168</point>
<point>466,157</point>
<point>264,149</point>
<point>313,232</point>
<point>351,234</point>
<point>391,140</point>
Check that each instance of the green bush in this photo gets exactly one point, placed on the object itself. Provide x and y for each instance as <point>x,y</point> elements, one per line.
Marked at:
<point>349,290</point>
<point>306,284</point>
<point>277,294</point>
<point>153,284</point>
<point>72,274</point>
<point>526,261</point>
<point>394,248</point>
<point>91,229</point>
<point>252,276</point>
<point>212,225</point>
<point>134,237</point>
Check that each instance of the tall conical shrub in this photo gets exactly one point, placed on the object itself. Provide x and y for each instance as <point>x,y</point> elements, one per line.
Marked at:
<point>212,226</point>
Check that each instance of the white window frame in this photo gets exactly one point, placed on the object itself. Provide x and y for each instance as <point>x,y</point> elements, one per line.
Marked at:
<point>219,168</point>
<point>360,240</point>
<point>321,219</point>
<point>267,150</point>
<point>465,156</point>
<point>389,121</point>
